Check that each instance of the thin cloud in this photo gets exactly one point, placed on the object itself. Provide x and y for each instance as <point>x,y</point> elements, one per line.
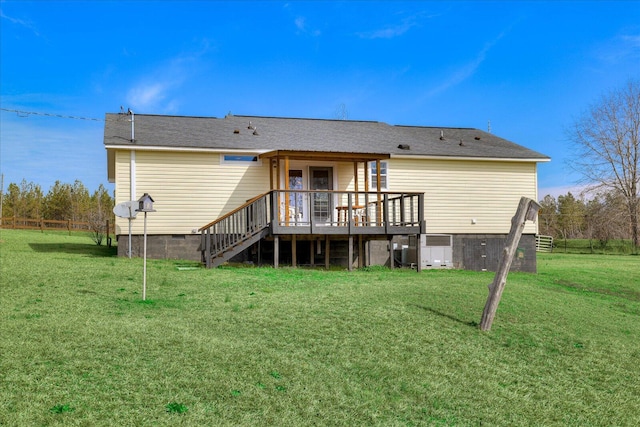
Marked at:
<point>396,30</point>
<point>467,70</point>
<point>145,96</point>
<point>159,91</point>
<point>621,48</point>
<point>390,31</point>
<point>26,24</point>
<point>301,25</point>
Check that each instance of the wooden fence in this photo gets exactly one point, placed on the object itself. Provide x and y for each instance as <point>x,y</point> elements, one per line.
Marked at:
<point>544,243</point>
<point>48,224</point>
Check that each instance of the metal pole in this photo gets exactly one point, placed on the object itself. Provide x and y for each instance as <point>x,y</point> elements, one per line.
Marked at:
<point>144,268</point>
<point>129,251</point>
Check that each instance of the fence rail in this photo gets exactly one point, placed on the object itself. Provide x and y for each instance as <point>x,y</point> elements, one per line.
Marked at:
<point>47,224</point>
<point>544,243</point>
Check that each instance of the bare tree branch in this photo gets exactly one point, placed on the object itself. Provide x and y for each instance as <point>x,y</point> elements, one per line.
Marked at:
<point>607,147</point>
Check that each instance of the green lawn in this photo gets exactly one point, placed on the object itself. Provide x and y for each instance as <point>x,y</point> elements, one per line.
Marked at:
<point>296,347</point>
<point>594,246</point>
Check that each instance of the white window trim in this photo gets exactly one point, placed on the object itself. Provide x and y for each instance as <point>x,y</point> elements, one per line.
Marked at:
<point>372,179</point>
<point>236,159</point>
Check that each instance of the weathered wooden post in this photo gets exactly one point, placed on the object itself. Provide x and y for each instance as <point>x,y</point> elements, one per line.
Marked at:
<point>527,210</point>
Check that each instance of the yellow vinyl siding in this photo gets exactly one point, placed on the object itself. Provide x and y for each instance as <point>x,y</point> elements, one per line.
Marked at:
<point>458,191</point>
<point>192,189</point>
<point>189,189</point>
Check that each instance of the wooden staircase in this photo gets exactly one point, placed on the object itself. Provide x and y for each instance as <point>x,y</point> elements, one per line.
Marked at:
<point>383,214</point>
<point>236,231</point>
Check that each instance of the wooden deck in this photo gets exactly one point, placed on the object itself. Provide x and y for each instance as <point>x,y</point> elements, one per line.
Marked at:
<point>291,213</point>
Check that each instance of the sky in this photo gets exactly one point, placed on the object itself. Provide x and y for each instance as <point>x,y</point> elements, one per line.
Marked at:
<point>525,69</point>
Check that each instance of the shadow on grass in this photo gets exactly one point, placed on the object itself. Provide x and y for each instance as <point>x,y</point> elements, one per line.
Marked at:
<point>471,323</point>
<point>76,249</point>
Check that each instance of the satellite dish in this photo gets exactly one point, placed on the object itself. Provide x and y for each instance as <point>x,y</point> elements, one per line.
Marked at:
<point>126,209</point>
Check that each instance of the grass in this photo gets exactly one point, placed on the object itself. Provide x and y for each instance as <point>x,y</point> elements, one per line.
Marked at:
<point>292,347</point>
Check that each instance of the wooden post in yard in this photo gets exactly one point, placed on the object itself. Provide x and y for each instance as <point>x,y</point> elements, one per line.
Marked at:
<point>527,210</point>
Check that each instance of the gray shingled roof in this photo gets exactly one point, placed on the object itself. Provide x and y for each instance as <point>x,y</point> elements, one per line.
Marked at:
<point>272,133</point>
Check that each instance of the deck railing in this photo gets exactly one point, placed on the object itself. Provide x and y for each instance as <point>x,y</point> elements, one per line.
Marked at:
<point>322,208</point>
<point>236,226</point>
<point>313,212</point>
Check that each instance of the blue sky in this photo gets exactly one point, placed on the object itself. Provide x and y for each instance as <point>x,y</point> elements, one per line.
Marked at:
<point>530,68</point>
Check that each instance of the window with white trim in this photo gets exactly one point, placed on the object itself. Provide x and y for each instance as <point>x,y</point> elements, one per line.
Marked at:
<point>240,159</point>
<point>373,176</point>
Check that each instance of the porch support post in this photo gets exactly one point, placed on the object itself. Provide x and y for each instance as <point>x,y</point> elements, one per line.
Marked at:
<point>360,252</point>
<point>326,251</point>
<point>355,181</point>
<point>294,251</point>
<point>272,163</point>
<point>277,209</point>
<point>366,193</point>
<point>391,260</point>
<point>276,252</point>
<point>378,213</point>
<point>350,266</point>
<point>286,193</point>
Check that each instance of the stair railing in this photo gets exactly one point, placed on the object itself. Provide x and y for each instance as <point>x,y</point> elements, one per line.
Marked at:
<point>235,227</point>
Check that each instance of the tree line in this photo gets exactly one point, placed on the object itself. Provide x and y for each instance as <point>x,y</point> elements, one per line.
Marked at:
<point>601,219</point>
<point>62,202</point>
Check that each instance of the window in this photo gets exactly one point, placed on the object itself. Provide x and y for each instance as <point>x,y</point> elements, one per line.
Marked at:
<point>240,159</point>
<point>373,176</point>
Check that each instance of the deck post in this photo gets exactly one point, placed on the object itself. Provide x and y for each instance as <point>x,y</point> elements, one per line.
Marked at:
<point>423,228</point>
<point>294,251</point>
<point>207,248</point>
<point>385,213</point>
<point>326,251</point>
<point>360,252</point>
<point>350,257</point>
<point>276,252</point>
<point>312,254</point>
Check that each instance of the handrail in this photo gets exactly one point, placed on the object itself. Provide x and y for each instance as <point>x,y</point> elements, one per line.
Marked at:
<point>236,210</point>
<point>391,213</point>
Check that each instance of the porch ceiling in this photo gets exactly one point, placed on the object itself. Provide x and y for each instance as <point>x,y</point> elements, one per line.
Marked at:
<point>330,156</point>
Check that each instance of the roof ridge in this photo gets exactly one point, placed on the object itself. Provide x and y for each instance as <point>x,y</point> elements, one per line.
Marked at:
<point>165,115</point>
<point>437,127</point>
<point>306,118</point>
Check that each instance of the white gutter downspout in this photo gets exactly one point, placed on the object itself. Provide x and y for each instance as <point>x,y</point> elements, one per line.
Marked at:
<point>132,175</point>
